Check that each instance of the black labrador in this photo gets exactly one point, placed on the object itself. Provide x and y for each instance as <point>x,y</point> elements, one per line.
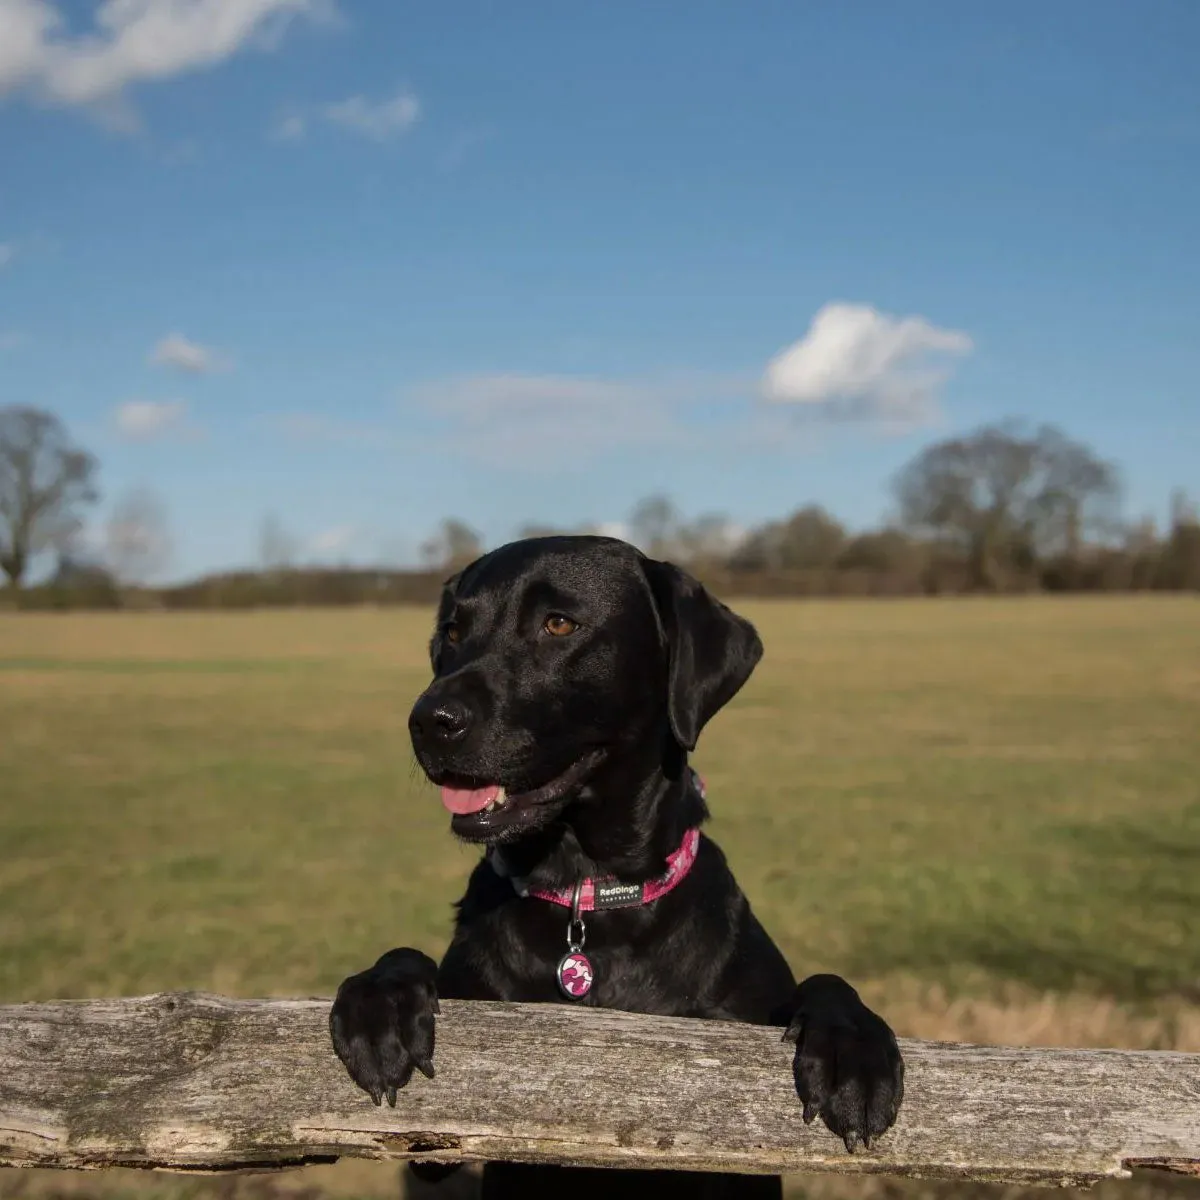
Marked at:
<point>572,675</point>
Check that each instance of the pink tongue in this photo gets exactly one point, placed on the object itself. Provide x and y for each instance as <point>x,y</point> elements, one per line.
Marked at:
<point>469,800</point>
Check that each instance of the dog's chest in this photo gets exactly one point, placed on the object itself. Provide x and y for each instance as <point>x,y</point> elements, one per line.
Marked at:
<point>630,967</point>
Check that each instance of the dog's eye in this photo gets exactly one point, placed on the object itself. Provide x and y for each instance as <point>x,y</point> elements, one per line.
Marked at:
<point>556,625</point>
<point>451,633</point>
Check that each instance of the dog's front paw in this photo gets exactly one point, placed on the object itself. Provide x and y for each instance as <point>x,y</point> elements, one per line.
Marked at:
<point>847,1065</point>
<point>382,1022</point>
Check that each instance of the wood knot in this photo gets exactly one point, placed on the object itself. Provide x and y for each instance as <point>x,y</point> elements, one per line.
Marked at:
<point>166,1003</point>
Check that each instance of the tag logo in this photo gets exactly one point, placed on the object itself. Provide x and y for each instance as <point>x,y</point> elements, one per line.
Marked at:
<point>616,895</point>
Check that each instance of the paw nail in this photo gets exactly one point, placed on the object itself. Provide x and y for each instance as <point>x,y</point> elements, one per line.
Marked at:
<point>810,1111</point>
<point>851,1140</point>
<point>391,1097</point>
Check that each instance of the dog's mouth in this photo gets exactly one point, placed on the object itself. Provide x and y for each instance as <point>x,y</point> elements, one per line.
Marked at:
<point>486,811</point>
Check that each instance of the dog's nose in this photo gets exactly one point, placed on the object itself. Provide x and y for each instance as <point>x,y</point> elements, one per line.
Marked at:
<point>439,720</point>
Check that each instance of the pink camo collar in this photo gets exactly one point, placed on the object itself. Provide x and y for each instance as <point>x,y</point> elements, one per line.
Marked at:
<point>608,892</point>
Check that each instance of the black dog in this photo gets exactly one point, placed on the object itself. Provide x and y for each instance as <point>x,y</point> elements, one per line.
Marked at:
<point>572,675</point>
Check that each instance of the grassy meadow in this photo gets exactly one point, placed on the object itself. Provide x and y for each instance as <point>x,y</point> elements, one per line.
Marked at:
<point>985,812</point>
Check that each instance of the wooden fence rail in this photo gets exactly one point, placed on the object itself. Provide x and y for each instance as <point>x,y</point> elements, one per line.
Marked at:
<point>189,1081</point>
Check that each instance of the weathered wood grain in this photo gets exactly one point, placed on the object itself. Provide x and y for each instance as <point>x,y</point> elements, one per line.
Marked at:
<point>199,1082</point>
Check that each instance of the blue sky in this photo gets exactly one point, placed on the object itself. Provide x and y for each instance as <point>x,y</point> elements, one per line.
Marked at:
<point>365,265</point>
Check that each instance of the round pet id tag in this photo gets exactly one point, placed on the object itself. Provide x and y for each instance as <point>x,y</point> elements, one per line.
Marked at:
<point>575,974</point>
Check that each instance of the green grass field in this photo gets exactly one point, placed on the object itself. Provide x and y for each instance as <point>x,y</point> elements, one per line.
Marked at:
<point>987,812</point>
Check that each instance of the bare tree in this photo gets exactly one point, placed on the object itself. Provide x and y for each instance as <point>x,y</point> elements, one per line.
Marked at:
<point>536,529</point>
<point>807,540</point>
<point>882,550</point>
<point>812,538</point>
<point>454,545</point>
<point>654,526</point>
<point>1183,510</point>
<point>1077,495</point>
<point>1180,567</point>
<point>44,483</point>
<point>709,539</point>
<point>1002,497</point>
<point>276,546</point>
<point>137,539</point>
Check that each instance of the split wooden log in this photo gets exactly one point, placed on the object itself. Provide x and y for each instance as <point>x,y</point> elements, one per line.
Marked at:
<point>189,1081</point>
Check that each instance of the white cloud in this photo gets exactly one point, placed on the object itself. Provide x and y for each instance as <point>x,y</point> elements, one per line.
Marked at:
<point>131,42</point>
<point>882,374</point>
<point>176,351</point>
<point>290,128</point>
<point>334,541</point>
<point>547,422</point>
<point>378,120</point>
<point>25,27</point>
<point>856,362</point>
<point>148,420</point>
<point>485,397</point>
<point>551,422</point>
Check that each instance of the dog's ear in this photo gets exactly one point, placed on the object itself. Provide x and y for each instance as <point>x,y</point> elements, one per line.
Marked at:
<point>444,609</point>
<point>712,650</point>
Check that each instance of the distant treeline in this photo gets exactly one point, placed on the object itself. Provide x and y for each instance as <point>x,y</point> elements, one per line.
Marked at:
<point>873,564</point>
<point>999,510</point>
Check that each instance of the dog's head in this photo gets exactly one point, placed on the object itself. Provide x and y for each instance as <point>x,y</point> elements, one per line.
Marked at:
<point>554,657</point>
